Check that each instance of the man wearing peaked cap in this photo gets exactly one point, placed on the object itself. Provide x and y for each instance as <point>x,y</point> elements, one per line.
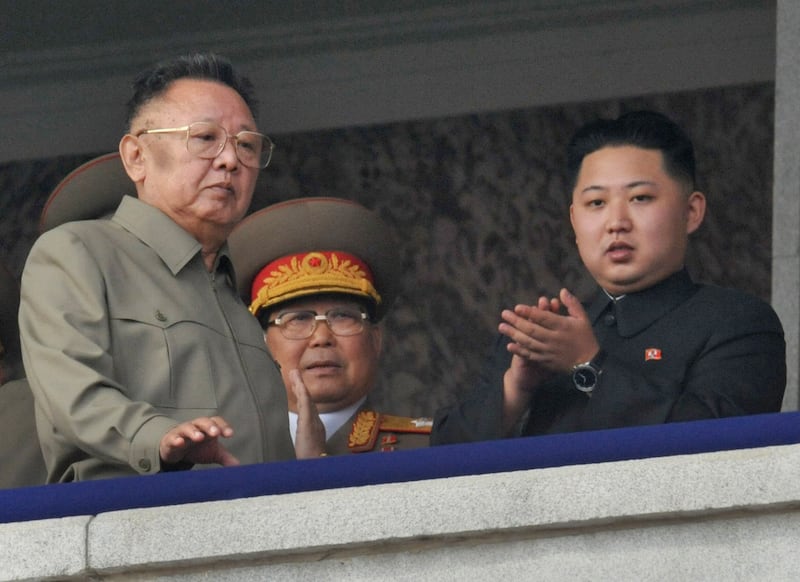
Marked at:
<point>140,354</point>
<point>320,274</point>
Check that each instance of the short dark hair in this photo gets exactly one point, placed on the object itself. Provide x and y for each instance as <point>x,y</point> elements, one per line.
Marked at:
<point>643,129</point>
<point>154,82</point>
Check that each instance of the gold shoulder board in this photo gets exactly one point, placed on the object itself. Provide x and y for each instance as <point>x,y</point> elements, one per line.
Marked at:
<point>364,432</point>
<point>420,425</point>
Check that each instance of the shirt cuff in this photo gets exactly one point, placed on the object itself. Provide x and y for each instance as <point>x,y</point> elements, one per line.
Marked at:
<point>144,456</point>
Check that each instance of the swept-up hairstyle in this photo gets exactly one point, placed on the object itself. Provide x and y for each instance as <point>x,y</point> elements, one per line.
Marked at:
<point>155,81</point>
<point>643,129</point>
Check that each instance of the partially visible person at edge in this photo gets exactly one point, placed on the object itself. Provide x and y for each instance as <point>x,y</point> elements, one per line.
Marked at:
<point>140,354</point>
<point>320,274</point>
<point>21,462</point>
<point>652,346</point>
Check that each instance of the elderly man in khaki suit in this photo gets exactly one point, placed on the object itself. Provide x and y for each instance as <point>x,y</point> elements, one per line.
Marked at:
<point>320,274</point>
<point>141,356</point>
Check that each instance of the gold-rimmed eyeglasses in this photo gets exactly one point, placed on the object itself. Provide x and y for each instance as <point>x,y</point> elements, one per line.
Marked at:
<point>342,321</point>
<point>206,140</point>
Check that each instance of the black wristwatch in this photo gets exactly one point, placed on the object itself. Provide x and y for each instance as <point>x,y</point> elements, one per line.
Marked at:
<point>586,376</point>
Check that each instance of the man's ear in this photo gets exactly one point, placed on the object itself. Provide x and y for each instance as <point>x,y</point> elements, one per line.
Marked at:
<point>695,211</point>
<point>132,157</point>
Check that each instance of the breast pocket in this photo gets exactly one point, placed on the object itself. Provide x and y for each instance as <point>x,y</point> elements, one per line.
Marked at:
<point>165,360</point>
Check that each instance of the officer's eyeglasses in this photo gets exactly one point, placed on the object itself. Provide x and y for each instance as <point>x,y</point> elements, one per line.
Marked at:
<point>206,140</point>
<point>342,321</point>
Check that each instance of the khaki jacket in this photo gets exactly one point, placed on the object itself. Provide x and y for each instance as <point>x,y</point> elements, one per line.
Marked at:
<point>125,334</point>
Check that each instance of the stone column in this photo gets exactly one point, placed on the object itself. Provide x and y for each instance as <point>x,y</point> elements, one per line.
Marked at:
<point>786,194</point>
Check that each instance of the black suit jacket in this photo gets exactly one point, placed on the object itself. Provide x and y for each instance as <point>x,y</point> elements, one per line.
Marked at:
<point>676,351</point>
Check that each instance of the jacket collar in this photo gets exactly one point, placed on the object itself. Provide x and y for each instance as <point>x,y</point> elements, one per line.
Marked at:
<point>170,242</point>
<point>636,311</point>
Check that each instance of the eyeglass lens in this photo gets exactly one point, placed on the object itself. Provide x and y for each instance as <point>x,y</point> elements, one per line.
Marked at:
<point>207,140</point>
<point>301,324</point>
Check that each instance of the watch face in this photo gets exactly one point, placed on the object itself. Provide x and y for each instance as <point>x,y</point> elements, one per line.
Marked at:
<point>585,378</point>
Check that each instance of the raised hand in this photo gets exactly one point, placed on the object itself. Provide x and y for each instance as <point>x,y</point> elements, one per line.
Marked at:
<point>544,341</point>
<point>197,441</point>
<point>553,341</point>
<point>310,437</point>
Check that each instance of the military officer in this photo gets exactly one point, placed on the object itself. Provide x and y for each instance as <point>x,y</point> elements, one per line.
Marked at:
<point>320,274</point>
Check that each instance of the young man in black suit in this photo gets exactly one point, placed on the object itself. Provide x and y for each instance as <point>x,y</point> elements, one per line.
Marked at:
<point>651,346</point>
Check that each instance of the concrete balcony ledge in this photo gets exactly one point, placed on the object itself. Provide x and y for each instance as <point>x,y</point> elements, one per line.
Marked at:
<point>722,511</point>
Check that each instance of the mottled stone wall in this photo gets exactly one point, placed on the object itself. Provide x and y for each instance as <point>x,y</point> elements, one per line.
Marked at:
<point>479,206</point>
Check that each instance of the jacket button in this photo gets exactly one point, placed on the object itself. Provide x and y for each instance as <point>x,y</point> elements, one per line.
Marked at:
<point>144,464</point>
